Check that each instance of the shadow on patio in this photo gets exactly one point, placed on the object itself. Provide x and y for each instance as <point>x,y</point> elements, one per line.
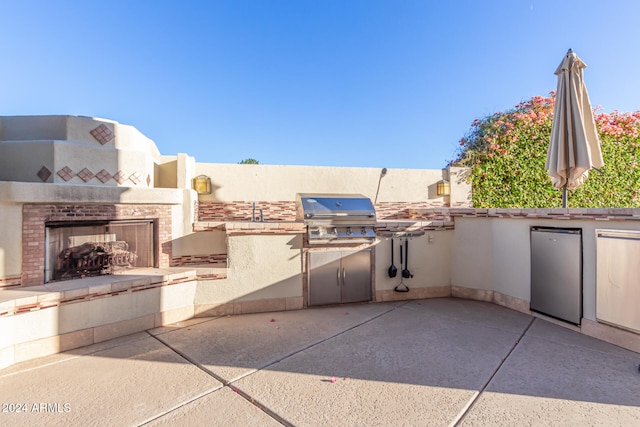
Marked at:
<point>425,362</point>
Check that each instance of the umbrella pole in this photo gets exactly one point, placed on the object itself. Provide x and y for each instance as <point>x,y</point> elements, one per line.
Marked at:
<point>564,196</point>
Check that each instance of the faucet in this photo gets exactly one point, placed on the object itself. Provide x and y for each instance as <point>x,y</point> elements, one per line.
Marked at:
<point>253,212</point>
<point>261,217</point>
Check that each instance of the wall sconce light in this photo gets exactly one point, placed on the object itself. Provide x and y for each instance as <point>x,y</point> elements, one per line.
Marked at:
<point>443,188</point>
<point>202,184</point>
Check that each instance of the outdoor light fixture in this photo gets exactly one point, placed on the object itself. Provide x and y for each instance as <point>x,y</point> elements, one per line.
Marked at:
<point>443,188</point>
<point>202,184</point>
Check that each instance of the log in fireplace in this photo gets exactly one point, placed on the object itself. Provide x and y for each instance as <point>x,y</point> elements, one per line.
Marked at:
<point>90,248</point>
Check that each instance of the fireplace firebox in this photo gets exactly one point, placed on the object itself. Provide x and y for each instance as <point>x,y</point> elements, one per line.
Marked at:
<point>91,248</point>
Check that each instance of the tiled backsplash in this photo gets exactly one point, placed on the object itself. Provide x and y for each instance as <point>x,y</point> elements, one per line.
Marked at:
<point>402,210</point>
<point>242,211</point>
<point>286,210</point>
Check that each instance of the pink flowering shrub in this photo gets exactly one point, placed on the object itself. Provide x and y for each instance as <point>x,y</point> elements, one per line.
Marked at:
<point>507,152</point>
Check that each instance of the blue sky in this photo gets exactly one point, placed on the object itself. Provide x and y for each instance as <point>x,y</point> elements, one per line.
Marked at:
<point>371,83</point>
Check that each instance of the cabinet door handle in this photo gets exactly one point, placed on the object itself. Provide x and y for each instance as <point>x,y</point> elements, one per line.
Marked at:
<point>344,277</point>
<point>338,276</point>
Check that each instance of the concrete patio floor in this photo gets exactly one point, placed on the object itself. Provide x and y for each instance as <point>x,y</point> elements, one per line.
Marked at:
<point>427,362</point>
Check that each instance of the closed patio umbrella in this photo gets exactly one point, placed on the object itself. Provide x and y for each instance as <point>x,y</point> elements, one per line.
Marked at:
<point>574,147</point>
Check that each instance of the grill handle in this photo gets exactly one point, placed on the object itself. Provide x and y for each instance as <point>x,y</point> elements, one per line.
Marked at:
<point>331,215</point>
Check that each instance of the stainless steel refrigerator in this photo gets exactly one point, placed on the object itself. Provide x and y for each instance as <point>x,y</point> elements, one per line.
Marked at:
<point>556,272</point>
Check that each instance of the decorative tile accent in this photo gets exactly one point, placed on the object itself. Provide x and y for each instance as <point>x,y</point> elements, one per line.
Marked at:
<point>85,175</point>
<point>148,180</point>
<point>7,282</point>
<point>65,173</point>
<point>102,134</point>
<point>44,174</point>
<point>103,176</point>
<point>135,178</point>
<point>119,177</point>
<point>218,260</point>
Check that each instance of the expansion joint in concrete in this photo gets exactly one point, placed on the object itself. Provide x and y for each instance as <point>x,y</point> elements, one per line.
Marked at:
<point>457,422</point>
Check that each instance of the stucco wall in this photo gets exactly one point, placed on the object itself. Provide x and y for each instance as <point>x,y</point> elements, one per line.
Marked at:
<point>279,183</point>
<point>429,261</point>
<point>260,267</point>
<point>461,190</point>
<point>58,148</point>
<point>201,243</point>
<point>510,247</point>
<point>28,192</point>
<point>11,240</point>
<point>23,128</point>
<point>167,172</point>
<point>471,254</point>
<point>21,160</point>
<point>183,212</point>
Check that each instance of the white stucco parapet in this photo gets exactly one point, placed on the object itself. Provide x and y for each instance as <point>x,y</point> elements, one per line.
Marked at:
<point>31,192</point>
<point>76,150</point>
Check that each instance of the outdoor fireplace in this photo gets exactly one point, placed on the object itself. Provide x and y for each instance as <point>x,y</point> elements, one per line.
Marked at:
<point>90,248</point>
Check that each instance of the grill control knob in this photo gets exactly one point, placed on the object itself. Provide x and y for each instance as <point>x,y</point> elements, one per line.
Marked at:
<point>363,230</point>
<point>349,231</point>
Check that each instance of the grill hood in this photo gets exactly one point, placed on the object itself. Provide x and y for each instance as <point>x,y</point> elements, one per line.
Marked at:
<point>335,208</point>
<point>336,218</point>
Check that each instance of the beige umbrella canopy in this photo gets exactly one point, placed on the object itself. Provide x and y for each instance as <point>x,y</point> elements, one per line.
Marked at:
<point>574,147</point>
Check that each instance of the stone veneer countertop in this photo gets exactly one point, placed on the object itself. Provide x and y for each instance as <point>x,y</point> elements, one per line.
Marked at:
<point>249,227</point>
<point>549,213</point>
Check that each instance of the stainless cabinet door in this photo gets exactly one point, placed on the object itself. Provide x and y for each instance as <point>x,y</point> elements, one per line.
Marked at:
<point>618,278</point>
<point>325,277</point>
<point>356,276</point>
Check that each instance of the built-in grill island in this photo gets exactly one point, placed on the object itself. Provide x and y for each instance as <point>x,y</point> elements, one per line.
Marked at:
<point>339,246</point>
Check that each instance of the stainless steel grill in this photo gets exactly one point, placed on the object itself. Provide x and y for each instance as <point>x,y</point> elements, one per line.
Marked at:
<point>337,218</point>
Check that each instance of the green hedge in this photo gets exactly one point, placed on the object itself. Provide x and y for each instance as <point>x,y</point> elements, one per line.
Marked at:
<point>507,152</point>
